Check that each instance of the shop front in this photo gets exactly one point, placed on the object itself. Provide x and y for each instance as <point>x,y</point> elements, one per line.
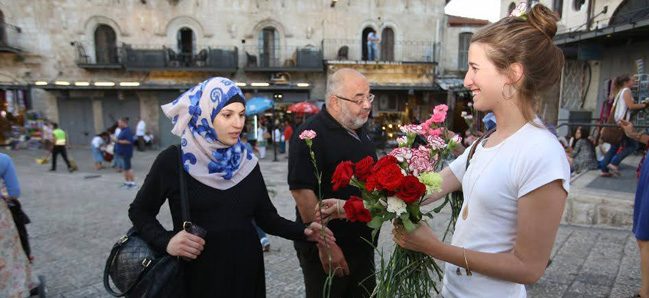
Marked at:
<point>17,123</point>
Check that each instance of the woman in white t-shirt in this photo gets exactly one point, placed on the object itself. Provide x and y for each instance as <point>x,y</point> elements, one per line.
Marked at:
<point>623,104</point>
<point>516,185</point>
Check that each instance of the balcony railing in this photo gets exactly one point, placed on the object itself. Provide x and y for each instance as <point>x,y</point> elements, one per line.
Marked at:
<point>101,58</point>
<point>290,58</point>
<point>400,51</point>
<point>10,38</point>
<point>139,57</point>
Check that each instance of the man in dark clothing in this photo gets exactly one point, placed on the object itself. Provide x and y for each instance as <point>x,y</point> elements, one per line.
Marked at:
<point>340,136</point>
<point>124,148</point>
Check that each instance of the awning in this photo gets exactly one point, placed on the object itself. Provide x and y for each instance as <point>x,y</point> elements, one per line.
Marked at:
<point>638,29</point>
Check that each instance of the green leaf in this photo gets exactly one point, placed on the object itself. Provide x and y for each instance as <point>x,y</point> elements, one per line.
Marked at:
<point>376,222</point>
<point>415,212</point>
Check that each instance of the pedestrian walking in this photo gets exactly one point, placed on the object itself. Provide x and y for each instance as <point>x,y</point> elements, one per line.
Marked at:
<point>124,149</point>
<point>60,144</point>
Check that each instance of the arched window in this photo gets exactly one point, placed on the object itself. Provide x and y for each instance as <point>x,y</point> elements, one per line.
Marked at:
<point>387,44</point>
<point>268,46</point>
<point>105,45</point>
<point>463,50</point>
<point>364,43</point>
<point>511,8</point>
<point>186,45</point>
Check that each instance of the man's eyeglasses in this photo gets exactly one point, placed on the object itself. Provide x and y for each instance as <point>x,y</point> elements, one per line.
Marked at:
<point>359,99</point>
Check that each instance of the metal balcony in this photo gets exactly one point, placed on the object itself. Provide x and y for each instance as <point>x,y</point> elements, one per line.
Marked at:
<point>283,59</point>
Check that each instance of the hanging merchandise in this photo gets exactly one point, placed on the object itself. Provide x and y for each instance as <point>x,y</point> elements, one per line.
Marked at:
<point>9,96</point>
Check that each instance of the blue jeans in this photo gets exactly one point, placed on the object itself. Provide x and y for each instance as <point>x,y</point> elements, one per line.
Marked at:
<point>371,51</point>
<point>629,146</point>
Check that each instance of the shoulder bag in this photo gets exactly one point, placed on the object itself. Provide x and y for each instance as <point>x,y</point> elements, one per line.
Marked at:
<point>137,270</point>
<point>612,134</point>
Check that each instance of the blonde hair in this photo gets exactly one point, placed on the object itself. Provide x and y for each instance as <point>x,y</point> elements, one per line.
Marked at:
<point>526,40</point>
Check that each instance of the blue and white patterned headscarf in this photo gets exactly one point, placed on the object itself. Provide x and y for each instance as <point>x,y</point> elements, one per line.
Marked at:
<point>204,157</point>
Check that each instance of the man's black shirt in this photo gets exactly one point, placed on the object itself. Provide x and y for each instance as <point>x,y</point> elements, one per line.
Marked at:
<point>332,145</point>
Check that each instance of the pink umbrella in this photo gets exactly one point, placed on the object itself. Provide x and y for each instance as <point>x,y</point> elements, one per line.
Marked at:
<point>303,108</point>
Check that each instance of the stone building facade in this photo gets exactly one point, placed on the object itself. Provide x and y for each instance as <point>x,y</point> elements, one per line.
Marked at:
<point>85,63</point>
<point>601,39</point>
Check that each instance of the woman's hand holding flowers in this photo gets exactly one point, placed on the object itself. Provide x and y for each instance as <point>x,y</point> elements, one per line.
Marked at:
<point>331,209</point>
<point>316,233</point>
<point>421,239</point>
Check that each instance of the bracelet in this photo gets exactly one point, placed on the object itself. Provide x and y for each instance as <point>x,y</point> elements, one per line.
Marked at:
<point>466,263</point>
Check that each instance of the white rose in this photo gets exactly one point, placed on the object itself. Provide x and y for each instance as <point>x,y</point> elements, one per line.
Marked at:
<point>396,206</point>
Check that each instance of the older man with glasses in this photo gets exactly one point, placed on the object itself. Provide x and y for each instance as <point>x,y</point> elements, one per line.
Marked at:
<point>341,136</point>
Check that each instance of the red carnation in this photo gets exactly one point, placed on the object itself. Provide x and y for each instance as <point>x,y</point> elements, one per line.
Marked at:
<point>390,177</point>
<point>356,211</point>
<point>410,189</point>
<point>363,168</point>
<point>385,160</point>
<point>342,175</point>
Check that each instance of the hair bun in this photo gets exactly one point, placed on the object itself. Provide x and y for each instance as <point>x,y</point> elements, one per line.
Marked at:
<point>543,19</point>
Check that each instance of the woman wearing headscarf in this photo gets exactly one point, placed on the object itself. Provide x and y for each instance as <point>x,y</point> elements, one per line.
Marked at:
<point>226,191</point>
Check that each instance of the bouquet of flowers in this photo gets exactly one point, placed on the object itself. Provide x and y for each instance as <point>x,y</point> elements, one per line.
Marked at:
<point>393,189</point>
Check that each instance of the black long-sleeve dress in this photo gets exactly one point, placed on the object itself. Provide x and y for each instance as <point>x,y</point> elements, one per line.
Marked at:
<point>231,265</point>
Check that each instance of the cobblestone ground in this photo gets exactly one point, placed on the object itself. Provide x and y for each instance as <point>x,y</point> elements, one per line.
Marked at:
<point>78,216</point>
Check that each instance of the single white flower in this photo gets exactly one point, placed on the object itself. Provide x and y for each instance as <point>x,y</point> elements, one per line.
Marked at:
<point>396,206</point>
<point>463,114</point>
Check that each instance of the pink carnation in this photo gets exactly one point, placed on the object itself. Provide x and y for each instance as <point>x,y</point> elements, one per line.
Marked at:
<point>440,109</point>
<point>402,154</point>
<point>411,128</point>
<point>435,142</point>
<point>420,161</point>
<point>438,117</point>
<point>308,135</point>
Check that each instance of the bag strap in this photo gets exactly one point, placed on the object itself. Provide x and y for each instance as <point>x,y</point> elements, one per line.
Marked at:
<point>184,206</point>
<point>184,203</point>
<point>611,118</point>
<point>473,147</point>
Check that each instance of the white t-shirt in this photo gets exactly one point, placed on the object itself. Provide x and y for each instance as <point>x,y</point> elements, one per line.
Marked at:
<point>621,109</point>
<point>496,178</point>
<point>140,128</point>
<point>97,141</point>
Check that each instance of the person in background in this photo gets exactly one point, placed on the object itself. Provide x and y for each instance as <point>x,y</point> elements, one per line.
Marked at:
<point>124,149</point>
<point>288,133</point>
<point>114,131</point>
<point>140,131</point>
<point>48,140</point>
<point>583,152</point>
<point>97,147</point>
<point>60,144</point>
<point>514,197</point>
<point>15,265</point>
<point>600,152</point>
<point>261,140</point>
<point>641,209</point>
<point>623,105</point>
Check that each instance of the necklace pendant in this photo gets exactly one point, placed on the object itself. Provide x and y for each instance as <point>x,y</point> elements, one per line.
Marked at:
<point>457,271</point>
<point>465,212</point>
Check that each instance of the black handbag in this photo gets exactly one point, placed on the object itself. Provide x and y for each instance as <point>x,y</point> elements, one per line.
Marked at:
<point>138,270</point>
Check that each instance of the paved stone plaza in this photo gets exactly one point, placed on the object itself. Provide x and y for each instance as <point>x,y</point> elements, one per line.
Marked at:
<point>77,217</point>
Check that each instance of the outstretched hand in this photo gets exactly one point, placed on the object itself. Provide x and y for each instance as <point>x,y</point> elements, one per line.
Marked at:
<point>331,209</point>
<point>315,233</point>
